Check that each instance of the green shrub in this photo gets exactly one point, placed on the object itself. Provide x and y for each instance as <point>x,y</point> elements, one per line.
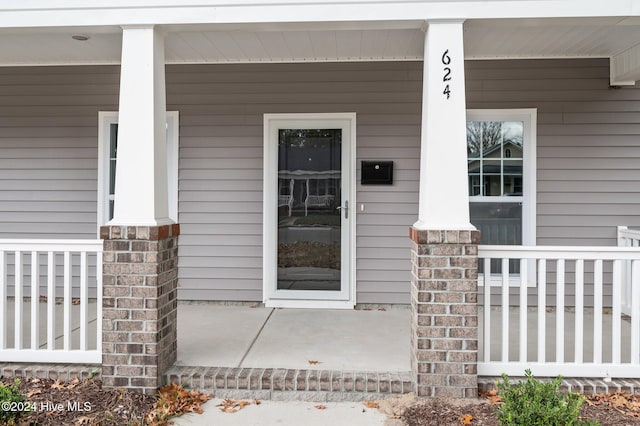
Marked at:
<point>13,403</point>
<point>534,403</point>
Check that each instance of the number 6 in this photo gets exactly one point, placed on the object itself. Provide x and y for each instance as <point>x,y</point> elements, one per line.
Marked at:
<point>445,57</point>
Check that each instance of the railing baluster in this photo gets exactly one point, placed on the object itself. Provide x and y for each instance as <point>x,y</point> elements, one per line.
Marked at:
<point>66,333</point>
<point>542,310</point>
<point>487,309</point>
<point>55,344</point>
<point>579,309</point>
<point>84,301</point>
<point>18,300</point>
<point>560,311</point>
<point>635,312</point>
<point>616,311</point>
<point>505,310</point>
<point>597,311</point>
<point>523,309</point>
<point>3,300</point>
<point>51,300</point>
<point>35,300</point>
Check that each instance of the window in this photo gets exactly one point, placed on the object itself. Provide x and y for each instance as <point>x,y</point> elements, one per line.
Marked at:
<point>501,156</point>
<point>107,149</point>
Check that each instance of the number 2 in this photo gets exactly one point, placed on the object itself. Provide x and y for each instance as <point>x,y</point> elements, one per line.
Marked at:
<point>447,74</point>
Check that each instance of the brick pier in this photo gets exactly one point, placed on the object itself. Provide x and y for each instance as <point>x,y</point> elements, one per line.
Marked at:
<point>444,320</point>
<point>140,276</point>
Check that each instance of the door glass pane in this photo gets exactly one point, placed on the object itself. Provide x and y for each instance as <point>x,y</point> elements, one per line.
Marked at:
<point>309,192</point>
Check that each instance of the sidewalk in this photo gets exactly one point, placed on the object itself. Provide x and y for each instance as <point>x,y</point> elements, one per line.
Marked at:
<point>289,413</point>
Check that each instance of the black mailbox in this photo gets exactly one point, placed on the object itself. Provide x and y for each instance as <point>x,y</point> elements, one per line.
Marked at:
<point>377,173</point>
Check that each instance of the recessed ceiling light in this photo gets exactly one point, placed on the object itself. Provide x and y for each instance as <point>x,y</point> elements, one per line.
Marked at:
<point>80,37</point>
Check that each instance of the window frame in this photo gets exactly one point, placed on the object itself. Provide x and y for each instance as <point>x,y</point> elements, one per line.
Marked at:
<point>528,116</point>
<point>105,120</point>
<point>528,198</point>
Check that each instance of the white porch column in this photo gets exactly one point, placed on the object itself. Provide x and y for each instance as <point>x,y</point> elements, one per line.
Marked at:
<point>141,195</point>
<point>444,198</point>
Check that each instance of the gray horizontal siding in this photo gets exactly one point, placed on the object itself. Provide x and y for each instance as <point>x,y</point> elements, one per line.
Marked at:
<point>49,149</point>
<point>221,155</point>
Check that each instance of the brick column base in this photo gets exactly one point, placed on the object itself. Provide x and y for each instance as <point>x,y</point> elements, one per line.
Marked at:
<point>139,305</point>
<point>444,312</point>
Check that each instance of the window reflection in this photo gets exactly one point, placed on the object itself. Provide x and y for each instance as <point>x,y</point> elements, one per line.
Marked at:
<point>494,150</point>
<point>309,190</point>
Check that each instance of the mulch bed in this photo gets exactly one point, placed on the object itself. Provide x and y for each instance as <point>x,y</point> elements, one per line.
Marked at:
<point>80,402</point>
<point>437,412</point>
<point>85,402</point>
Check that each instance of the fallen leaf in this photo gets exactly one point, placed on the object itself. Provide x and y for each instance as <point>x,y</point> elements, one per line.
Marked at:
<point>75,301</point>
<point>34,392</point>
<point>492,396</point>
<point>57,385</point>
<point>371,404</point>
<point>320,407</point>
<point>466,419</point>
<point>313,362</point>
<point>257,401</point>
<point>232,406</point>
<point>381,308</point>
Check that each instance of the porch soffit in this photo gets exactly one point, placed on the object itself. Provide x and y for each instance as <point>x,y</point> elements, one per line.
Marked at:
<point>337,41</point>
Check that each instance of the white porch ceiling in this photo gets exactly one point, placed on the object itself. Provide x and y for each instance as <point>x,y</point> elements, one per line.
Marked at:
<point>301,42</point>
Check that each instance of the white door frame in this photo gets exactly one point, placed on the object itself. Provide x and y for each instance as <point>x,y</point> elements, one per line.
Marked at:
<point>272,297</point>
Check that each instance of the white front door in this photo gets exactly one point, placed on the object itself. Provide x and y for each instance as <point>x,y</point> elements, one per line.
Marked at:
<point>309,194</point>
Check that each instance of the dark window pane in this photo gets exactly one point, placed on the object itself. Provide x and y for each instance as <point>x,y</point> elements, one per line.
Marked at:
<point>499,224</point>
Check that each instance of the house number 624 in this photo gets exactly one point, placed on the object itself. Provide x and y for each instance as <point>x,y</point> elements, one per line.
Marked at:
<point>446,60</point>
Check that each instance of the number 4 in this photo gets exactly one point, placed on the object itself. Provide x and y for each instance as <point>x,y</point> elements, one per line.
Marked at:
<point>446,91</point>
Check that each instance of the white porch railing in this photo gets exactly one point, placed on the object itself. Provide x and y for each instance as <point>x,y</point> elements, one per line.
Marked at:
<point>50,299</point>
<point>569,322</point>
<point>627,238</point>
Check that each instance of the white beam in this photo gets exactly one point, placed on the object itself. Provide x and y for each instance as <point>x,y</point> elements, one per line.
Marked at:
<point>45,13</point>
<point>141,195</point>
<point>624,68</point>
<point>443,197</point>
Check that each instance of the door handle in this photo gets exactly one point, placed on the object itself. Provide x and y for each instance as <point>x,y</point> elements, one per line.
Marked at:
<point>345,208</point>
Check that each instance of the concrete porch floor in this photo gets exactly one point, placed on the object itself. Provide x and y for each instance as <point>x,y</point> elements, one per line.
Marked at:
<point>211,335</point>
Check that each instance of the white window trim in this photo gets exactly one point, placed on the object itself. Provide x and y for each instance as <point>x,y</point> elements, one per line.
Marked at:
<point>105,120</point>
<point>529,118</point>
<point>345,299</point>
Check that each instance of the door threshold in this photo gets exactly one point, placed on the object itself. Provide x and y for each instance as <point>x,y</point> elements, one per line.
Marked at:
<point>310,304</point>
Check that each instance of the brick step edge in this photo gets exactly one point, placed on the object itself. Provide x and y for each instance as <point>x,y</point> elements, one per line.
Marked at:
<point>291,384</point>
<point>64,372</point>
<point>585,386</point>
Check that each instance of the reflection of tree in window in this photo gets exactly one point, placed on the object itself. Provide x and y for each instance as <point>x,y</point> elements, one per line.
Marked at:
<point>494,151</point>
